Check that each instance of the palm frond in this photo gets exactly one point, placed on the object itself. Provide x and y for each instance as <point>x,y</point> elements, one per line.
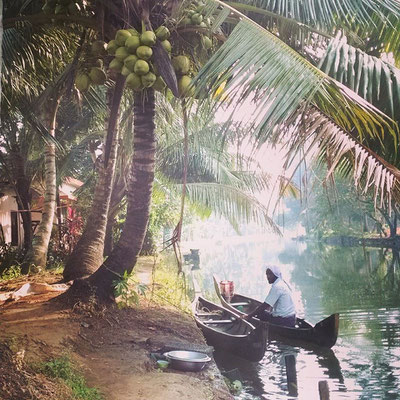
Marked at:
<point>372,78</point>
<point>231,203</point>
<point>317,134</point>
<point>276,80</point>
<point>326,13</point>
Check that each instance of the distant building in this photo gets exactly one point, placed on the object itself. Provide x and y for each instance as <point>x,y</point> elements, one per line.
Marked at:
<point>11,228</point>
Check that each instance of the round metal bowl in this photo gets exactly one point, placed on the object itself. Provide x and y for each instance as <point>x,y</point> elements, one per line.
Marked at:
<point>187,360</point>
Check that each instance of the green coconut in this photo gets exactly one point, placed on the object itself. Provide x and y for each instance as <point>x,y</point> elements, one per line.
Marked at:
<point>130,62</point>
<point>116,65</point>
<point>206,42</point>
<point>159,84</point>
<point>133,32</point>
<point>144,52</point>
<point>186,21</point>
<point>133,81</point>
<point>82,82</point>
<point>132,43</point>
<point>162,33</point>
<point>185,87</point>
<point>125,71</point>
<point>121,53</point>
<point>148,79</point>
<point>141,67</point>
<point>98,48</point>
<point>112,47</point>
<point>167,45</point>
<point>148,38</point>
<point>97,76</point>
<point>181,64</point>
<point>121,36</point>
<point>197,19</point>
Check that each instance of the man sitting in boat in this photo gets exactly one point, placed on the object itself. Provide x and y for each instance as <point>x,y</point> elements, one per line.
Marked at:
<point>278,307</point>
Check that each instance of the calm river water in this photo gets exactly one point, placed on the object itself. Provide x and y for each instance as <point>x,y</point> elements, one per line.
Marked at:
<point>361,284</point>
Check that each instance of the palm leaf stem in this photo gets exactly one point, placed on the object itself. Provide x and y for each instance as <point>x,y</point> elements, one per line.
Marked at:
<point>43,19</point>
<point>249,8</point>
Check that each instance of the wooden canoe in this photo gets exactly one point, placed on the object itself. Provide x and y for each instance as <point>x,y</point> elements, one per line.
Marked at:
<point>224,330</point>
<point>323,334</point>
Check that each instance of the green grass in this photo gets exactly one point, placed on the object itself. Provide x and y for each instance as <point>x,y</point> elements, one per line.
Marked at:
<point>169,289</point>
<point>62,368</point>
<point>11,272</point>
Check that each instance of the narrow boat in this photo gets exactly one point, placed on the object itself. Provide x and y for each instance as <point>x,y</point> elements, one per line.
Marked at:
<point>323,334</point>
<point>224,330</point>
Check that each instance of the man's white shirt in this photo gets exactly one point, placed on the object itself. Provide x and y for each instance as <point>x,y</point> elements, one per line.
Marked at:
<point>280,299</point>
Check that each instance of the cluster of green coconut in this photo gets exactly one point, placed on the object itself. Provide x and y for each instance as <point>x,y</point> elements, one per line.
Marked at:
<point>133,54</point>
<point>68,7</point>
<point>196,16</point>
<point>182,67</point>
<point>92,73</point>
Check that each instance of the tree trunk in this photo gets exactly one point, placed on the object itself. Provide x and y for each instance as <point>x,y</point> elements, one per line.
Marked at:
<point>118,193</point>
<point>37,253</point>
<point>87,255</point>
<point>140,185</point>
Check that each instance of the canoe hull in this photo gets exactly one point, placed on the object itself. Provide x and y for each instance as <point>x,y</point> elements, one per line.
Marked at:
<point>249,344</point>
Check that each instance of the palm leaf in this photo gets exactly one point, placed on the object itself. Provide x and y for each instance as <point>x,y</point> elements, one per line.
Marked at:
<point>231,203</point>
<point>327,13</point>
<point>372,78</point>
<point>276,79</point>
<point>317,134</point>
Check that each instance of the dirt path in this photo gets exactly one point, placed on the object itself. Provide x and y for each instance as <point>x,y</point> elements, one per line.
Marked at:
<point>112,348</point>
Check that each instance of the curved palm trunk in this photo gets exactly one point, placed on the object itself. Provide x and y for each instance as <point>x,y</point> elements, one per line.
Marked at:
<point>37,254</point>
<point>87,255</point>
<point>140,186</point>
<point>117,195</point>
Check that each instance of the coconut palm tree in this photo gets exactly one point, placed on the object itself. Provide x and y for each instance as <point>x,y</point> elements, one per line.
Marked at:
<point>88,252</point>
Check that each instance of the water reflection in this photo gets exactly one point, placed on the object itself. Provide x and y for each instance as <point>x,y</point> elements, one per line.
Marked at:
<point>362,284</point>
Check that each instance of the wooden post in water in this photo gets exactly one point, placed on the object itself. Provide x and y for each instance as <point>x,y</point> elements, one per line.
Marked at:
<point>291,374</point>
<point>323,390</point>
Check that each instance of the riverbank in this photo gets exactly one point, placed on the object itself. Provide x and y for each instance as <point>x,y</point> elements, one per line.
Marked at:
<point>352,241</point>
<point>111,348</point>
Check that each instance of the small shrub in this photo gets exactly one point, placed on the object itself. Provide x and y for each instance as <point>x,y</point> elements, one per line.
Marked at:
<point>127,290</point>
<point>10,256</point>
<point>11,273</point>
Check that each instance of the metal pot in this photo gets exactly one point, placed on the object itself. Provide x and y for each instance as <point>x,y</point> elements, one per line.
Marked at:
<point>187,360</point>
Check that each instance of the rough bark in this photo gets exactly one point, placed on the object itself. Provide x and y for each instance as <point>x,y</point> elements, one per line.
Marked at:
<point>116,197</point>
<point>37,253</point>
<point>87,255</point>
<point>140,186</point>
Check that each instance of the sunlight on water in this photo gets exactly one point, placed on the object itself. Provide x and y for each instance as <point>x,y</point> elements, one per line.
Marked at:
<point>361,284</point>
